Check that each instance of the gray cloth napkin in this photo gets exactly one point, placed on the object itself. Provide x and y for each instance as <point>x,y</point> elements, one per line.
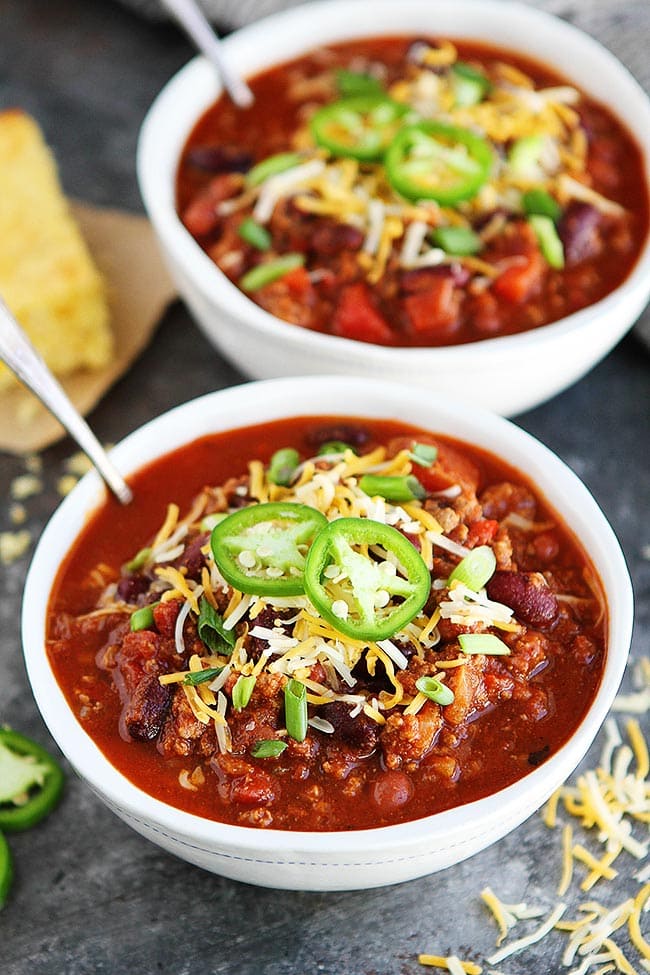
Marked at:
<point>621,25</point>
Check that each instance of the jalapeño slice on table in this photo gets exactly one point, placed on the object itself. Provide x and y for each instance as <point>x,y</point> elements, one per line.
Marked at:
<point>365,578</point>
<point>438,161</point>
<point>31,782</point>
<point>262,549</point>
<point>362,127</point>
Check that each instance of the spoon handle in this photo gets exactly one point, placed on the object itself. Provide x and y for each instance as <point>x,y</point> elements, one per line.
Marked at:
<point>23,359</point>
<point>192,20</point>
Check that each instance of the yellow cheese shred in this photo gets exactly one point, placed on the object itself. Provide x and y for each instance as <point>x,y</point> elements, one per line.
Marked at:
<point>176,578</point>
<point>440,961</point>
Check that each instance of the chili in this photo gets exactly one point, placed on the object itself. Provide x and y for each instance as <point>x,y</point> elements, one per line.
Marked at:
<point>31,782</point>
<point>367,583</point>
<point>273,538</point>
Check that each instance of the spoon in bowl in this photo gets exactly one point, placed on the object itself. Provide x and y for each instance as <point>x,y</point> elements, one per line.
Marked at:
<point>194,23</point>
<point>22,358</point>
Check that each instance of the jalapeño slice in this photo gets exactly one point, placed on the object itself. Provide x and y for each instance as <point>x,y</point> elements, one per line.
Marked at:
<point>262,549</point>
<point>437,161</point>
<point>31,782</point>
<point>361,127</point>
<point>362,594</point>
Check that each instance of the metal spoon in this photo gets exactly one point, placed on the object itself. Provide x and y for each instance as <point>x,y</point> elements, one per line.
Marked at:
<point>23,359</point>
<point>192,20</point>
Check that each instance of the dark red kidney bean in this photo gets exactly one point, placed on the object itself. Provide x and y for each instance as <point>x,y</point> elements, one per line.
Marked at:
<point>130,587</point>
<point>220,159</point>
<point>193,558</point>
<point>350,433</point>
<point>330,239</point>
<point>424,278</point>
<point>145,713</point>
<point>526,594</point>
<point>580,233</point>
<point>359,733</point>
<point>391,790</point>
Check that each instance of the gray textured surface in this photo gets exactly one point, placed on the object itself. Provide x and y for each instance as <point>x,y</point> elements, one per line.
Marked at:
<point>90,895</point>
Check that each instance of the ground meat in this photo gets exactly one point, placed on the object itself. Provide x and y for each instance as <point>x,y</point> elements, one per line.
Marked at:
<point>498,500</point>
<point>470,694</point>
<point>182,731</point>
<point>406,738</point>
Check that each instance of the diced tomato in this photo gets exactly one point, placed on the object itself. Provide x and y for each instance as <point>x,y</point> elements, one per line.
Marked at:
<point>451,467</point>
<point>201,216</point>
<point>520,280</point>
<point>357,318</point>
<point>481,532</point>
<point>435,311</point>
<point>298,284</point>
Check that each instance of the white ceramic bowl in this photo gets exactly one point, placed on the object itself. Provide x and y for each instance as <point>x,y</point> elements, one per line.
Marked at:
<point>507,374</point>
<point>341,860</point>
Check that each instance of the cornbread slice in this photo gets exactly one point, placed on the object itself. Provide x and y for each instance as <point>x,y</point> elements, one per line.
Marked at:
<point>47,276</point>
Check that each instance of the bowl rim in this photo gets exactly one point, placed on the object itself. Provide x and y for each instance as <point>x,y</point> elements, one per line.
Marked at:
<point>156,176</point>
<point>270,399</point>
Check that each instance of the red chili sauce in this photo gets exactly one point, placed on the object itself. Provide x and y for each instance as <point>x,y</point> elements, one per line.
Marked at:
<point>511,281</point>
<point>509,714</point>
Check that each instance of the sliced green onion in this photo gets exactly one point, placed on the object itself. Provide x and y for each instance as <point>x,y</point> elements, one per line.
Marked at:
<point>475,569</point>
<point>271,167</point>
<point>283,465</point>
<point>392,488</point>
<point>357,83</point>
<point>138,560</point>
<point>268,748</point>
<point>142,619</point>
<point>423,454</point>
<point>295,709</point>
<point>549,240</point>
<point>525,154</point>
<point>209,522</point>
<point>470,85</point>
<point>435,690</point>
<point>542,204</point>
<point>255,234</point>
<point>202,676</point>
<point>459,241</point>
<point>265,274</point>
<point>485,643</point>
<point>212,631</point>
<point>242,691</point>
<point>335,447</point>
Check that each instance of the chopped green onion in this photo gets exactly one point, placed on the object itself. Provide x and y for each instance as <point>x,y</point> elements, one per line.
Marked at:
<point>268,748</point>
<point>258,277</point>
<point>255,234</point>
<point>525,154</point>
<point>435,690</point>
<point>212,520</point>
<point>139,560</point>
<point>283,465</point>
<point>470,85</point>
<point>335,447</point>
<point>295,709</point>
<point>142,619</point>
<point>202,676</point>
<point>423,454</point>
<point>271,167</point>
<point>459,241</point>
<point>475,569</point>
<point>549,240</point>
<point>485,643</point>
<point>212,631</point>
<point>392,488</point>
<point>542,204</point>
<point>242,691</point>
<point>357,83</point>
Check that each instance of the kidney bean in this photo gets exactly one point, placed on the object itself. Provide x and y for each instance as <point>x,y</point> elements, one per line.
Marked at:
<point>579,232</point>
<point>145,713</point>
<point>328,239</point>
<point>130,587</point>
<point>391,790</point>
<point>359,733</point>
<point>220,159</point>
<point>526,594</point>
<point>425,278</point>
<point>350,433</point>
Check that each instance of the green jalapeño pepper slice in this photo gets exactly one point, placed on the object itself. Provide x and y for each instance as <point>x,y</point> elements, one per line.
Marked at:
<point>361,127</point>
<point>31,782</point>
<point>437,161</point>
<point>362,594</point>
<point>262,549</point>
<point>6,871</point>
